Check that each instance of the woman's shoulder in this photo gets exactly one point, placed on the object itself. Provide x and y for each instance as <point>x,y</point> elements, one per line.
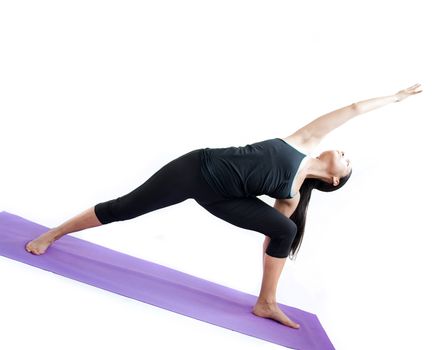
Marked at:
<point>295,143</point>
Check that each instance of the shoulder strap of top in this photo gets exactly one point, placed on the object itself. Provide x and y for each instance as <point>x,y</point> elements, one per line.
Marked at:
<point>295,147</point>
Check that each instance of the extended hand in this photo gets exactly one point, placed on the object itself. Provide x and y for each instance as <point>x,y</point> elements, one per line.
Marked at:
<point>412,90</point>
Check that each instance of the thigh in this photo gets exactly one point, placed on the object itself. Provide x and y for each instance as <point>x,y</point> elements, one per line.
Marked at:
<point>252,213</point>
<point>171,184</point>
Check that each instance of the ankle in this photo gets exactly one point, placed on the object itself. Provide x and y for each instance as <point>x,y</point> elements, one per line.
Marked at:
<point>50,235</point>
<point>266,300</point>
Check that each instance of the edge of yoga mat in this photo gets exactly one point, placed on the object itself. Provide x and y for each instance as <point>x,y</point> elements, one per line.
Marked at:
<point>158,285</point>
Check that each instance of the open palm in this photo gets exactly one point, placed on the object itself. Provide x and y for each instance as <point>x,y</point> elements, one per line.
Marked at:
<point>412,90</point>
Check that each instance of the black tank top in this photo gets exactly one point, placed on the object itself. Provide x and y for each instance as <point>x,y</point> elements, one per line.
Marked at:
<point>265,167</point>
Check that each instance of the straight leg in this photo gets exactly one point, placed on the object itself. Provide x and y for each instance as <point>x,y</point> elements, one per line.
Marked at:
<point>82,221</point>
<point>175,182</point>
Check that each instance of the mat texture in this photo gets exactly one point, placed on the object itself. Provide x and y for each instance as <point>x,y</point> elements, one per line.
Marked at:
<point>158,285</point>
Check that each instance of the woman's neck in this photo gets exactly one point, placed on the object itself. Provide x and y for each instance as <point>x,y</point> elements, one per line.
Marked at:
<point>317,169</point>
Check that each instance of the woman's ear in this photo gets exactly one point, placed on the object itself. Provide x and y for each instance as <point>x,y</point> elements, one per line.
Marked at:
<point>335,181</point>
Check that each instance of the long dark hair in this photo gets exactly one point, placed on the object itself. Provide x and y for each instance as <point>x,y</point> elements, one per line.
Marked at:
<point>300,213</point>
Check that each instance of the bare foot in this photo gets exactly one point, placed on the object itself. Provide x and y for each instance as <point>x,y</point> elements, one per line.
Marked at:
<point>40,244</point>
<point>271,310</point>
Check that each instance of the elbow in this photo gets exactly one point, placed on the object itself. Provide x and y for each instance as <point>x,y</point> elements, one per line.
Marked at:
<point>355,108</point>
<point>290,209</point>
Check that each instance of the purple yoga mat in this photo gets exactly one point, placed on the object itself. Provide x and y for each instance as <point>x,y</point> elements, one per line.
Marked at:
<point>158,285</point>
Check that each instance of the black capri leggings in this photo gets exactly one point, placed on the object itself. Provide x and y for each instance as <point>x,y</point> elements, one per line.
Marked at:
<point>181,179</point>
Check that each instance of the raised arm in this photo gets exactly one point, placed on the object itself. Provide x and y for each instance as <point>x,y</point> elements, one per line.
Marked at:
<point>311,134</point>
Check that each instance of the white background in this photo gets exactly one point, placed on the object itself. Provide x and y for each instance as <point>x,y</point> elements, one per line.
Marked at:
<point>95,96</point>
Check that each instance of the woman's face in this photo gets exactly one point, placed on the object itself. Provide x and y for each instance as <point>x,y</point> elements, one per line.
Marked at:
<point>337,162</point>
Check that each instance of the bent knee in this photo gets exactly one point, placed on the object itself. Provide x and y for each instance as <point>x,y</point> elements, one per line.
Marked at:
<point>281,242</point>
<point>289,231</point>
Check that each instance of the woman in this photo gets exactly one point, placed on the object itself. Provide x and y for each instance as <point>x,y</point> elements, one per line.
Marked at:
<point>226,182</point>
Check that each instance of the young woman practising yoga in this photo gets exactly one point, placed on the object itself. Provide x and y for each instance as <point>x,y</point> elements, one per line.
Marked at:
<point>226,182</point>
